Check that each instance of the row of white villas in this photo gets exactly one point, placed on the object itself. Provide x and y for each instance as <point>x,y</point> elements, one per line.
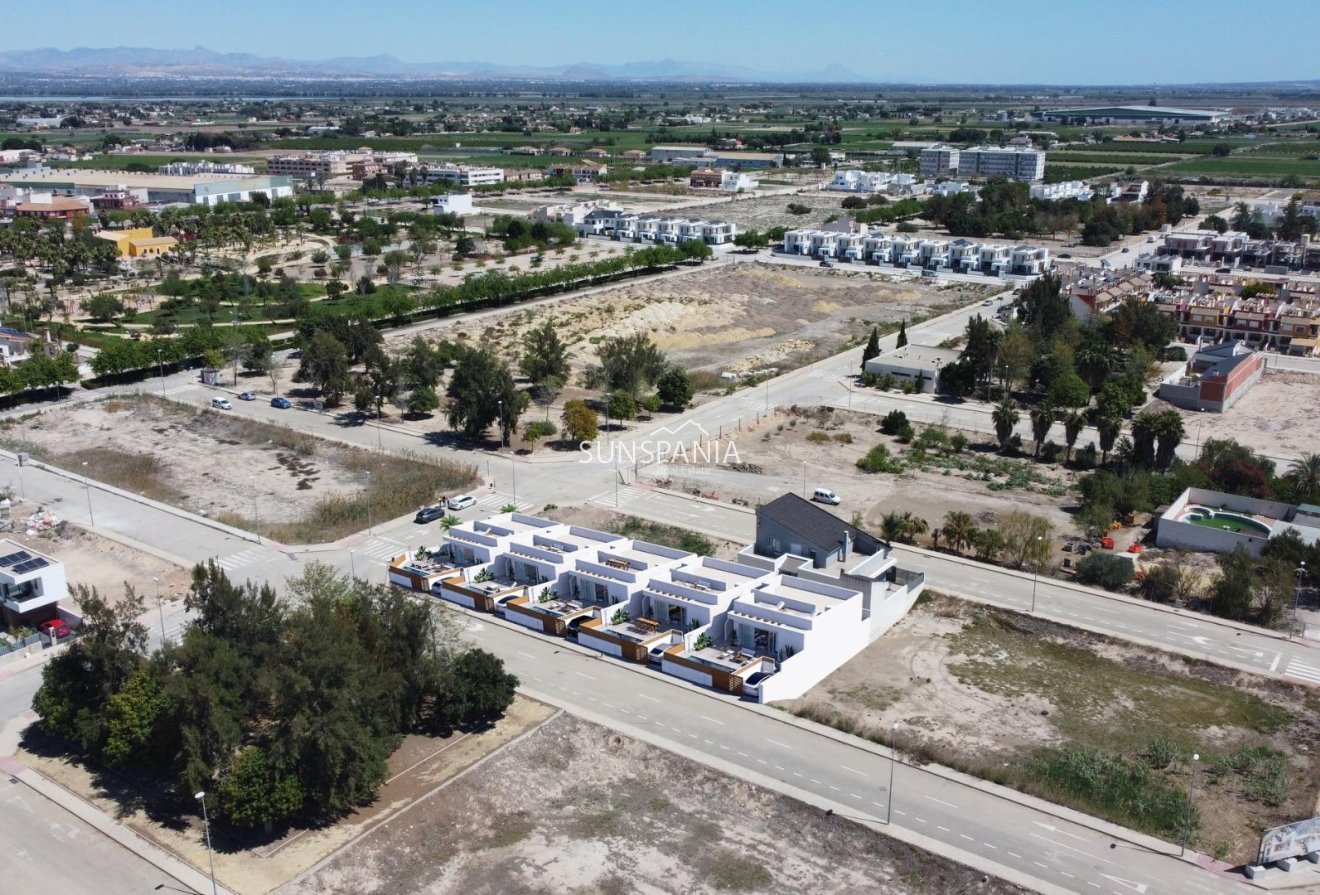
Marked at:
<point>790,610</point>
<point>955,255</point>
<point>620,224</point>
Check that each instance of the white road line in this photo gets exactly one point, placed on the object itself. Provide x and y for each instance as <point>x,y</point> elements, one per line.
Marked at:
<point>965,836</point>
<point>1015,854</point>
<point>525,655</point>
<point>724,747</point>
<point>877,804</point>
<point>584,674</point>
<point>855,796</point>
<point>762,761</point>
<point>1067,874</point>
<point>644,696</point>
<point>945,829</point>
<point>712,720</point>
<point>854,770</point>
<point>778,768</point>
<point>1274,666</point>
<point>1089,883</point>
<point>988,845</point>
<point>900,813</point>
<point>742,754</point>
<point>1039,864</point>
<point>814,780</point>
<point>833,787</point>
<point>942,802</point>
<point>779,744</point>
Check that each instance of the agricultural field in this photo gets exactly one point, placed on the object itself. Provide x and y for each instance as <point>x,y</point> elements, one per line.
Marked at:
<point>311,491</point>
<point>673,827</point>
<point>738,317</point>
<point>1250,166</point>
<point>1055,172</point>
<point>1096,724</point>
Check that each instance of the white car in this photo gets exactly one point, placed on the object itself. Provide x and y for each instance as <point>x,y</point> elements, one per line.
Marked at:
<point>221,404</point>
<point>462,502</point>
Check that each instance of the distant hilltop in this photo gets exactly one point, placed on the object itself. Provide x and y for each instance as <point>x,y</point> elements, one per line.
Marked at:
<point>199,62</point>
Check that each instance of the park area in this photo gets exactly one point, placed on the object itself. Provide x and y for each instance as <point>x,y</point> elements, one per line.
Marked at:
<point>288,486</point>
<point>604,813</point>
<point>1099,725</point>
<point>730,317</point>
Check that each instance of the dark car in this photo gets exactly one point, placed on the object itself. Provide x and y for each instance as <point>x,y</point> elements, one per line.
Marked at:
<point>55,628</point>
<point>281,403</point>
<point>1223,270</point>
<point>429,514</point>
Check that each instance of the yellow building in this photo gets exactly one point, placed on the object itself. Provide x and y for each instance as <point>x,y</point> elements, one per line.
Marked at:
<point>138,242</point>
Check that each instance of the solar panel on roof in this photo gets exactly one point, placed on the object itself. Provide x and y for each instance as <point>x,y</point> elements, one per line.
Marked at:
<point>16,557</point>
<point>31,565</point>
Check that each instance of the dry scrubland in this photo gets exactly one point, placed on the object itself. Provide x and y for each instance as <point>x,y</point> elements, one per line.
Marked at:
<point>729,317</point>
<point>1005,695</point>
<point>603,813</point>
<point>288,486</point>
<point>1275,418</point>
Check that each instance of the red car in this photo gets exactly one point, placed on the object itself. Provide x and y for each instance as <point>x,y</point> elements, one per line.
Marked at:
<point>55,628</point>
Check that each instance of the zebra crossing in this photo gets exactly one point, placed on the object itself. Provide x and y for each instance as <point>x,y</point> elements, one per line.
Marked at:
<point>495,500</point>
<point>1303,670</point>
<point>628,494</point>
<point>242,558</point>
<point>382,548</point>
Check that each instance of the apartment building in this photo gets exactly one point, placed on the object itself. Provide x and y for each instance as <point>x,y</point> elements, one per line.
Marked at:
<point>852,180</point>
<point>940,160</point>
<point>1287,324</point>
<point>807,596</point>
<point>1009,162</point>
<point>205,167</point>
<point>1056,192</point>
<point>465,176</point>
<point>1235,248</point>
<point>625,225</point>
<point>305,166</point>
<point>580,171</point>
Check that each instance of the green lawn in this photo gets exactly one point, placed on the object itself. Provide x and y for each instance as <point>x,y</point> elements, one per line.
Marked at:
<point>1249,166</point>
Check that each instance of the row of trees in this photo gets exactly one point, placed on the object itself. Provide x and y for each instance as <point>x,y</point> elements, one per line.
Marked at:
<point>287,710</point>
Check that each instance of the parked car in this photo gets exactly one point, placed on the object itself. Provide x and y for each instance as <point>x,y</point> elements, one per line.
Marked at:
<point>55,628</point>
<point>247,396</point>
<point>281,403</point>
<point>1223,270</point>
<point>1065,255</point>
<point>499,604</point>
<point>825,495</point>
<point>221,404</point>
<point>429,514</point>
<point>827,264</point>
<point>1125,250</point>
<point>988,302</point>
<point>461,502</point>
<point>929,273</point>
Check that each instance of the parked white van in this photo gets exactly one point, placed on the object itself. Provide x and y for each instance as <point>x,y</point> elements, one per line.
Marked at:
<point>221,404</point>
<point>825,495</point>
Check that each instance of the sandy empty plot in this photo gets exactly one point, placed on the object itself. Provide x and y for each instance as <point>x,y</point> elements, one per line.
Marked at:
<point>194,458</point>
<point>1275,418</point>
<point>576,808</point>
<point>731,316</point>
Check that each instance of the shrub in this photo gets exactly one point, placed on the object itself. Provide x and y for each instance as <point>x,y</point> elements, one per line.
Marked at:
<point>893,422</point>
<point>1106,570</point>
<point>843,437</point>
<point>818,437</point>
<point>958,442</point>
<point>878,459</point>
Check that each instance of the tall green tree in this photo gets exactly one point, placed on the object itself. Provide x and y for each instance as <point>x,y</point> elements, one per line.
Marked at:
<point>544,355</point>
<point>482,391</point>
<point>630,363</point>
<point>872,348</point>
<point>902,339</point>
<point>326,364</point>
<point>674,388</point>
<point>1005,417</point>
<point>1042,419</point>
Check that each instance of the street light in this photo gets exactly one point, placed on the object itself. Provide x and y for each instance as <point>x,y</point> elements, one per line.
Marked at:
<point>160,606</point>
<point>893,760</point>
<point>1187,823</point>
<point>206,819</point>
<point>160,359</point>
<point>1035,577</point>
<point>369,526</point>
<point>501,406</point>
<point>1297,597</point>
<point>91,517</point>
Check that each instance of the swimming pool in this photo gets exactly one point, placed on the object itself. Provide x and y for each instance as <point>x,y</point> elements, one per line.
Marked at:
<point>1225,521</point>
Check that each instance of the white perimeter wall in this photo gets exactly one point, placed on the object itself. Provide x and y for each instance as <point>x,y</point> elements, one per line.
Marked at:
<point>588,639</point>
<point>687,674</point>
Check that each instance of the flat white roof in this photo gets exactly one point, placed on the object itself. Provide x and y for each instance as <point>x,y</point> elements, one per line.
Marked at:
<point>130,179</point>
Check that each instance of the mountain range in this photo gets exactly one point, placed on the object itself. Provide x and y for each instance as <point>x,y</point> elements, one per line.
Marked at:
<point>200,62</point>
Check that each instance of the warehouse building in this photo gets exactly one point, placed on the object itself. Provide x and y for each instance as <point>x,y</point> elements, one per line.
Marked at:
<point>191,189</point>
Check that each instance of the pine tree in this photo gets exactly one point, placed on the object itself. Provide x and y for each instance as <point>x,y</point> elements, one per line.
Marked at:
<point>902,334</point>
<point>872,348</point>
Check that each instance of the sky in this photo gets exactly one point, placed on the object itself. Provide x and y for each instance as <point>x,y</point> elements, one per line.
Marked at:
<point>954,41</point>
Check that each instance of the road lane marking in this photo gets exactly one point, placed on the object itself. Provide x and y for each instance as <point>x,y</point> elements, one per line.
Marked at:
<point>988,845</point>
<point>854,770</point>
<point>712,720</point>
<point>778,768</point>
<point>1274,666</point>
<point>762,761</point>
<point>968,838</point>
<point>1069,847</point>
<point>779,744</point>
<point>942,802</point>
<point>814,780</point>
<point>945,829</point>
<point>644,696</point>
<point>1015,854</point>
<point>1067,874</point>
<point>833,787</point>
<point>920,820</point>
<point>855,796</point>
<point>585,675</point>
<point>525,655</point>
<point>1039,864</point>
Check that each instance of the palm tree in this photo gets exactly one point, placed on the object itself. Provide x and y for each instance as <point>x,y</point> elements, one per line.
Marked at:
<point>1145,426</point>
<point>1305,475</point>
<point>1107,428</point>
<point>1042,418</point>
<point>1005,417</point>
<point>1073,424</point>
<point>891,527</point>
<point>959,530</point>
<point>1169,432</point>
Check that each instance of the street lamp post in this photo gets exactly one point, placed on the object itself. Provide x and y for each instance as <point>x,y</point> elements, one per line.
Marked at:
<point>1187,822</point>
<point>1035,578</point>
<point>501,405</point>
<point>369,525</point>
<point>160,607</point>
<point>893,760</point>
<point>210,858</point>
<point>91,517</point>
<point>160,359</point>
<point>1297,597</point>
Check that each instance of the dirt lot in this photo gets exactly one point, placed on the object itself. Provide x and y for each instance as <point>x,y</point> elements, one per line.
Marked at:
<point>992,691</point>
<point>418,768</point>
<point>730,317</point>
<point>576,808</point>
<point>783,447</point>
<point>102,563</point>
<point>1274,418</point>
<point>290,486</point>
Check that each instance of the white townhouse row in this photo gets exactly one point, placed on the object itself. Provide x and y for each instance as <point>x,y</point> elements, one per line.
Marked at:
<point>955,255</point>
<point>852,180</point>
<point>627,225</point>
<point>767,626</point>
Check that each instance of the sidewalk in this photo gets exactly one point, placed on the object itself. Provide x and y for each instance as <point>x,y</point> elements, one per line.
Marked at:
<point>195,880</point>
